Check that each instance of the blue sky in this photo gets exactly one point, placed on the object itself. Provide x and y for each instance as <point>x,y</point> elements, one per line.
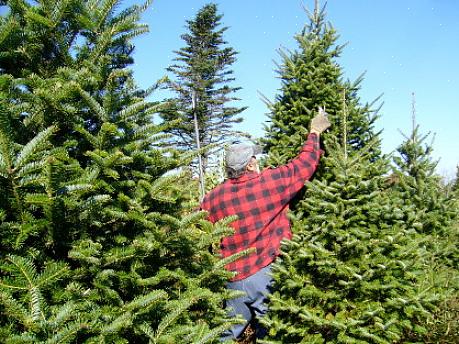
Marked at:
<point>403,46</point>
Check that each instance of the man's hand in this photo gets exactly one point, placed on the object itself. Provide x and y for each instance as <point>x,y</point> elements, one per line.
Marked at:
<point>320,122</point>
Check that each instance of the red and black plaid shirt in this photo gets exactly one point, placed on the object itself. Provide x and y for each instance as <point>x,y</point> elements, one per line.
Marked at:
<point>260,201</point>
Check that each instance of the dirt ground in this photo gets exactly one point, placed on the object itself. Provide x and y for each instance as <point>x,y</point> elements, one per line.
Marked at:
<point>248,337</point>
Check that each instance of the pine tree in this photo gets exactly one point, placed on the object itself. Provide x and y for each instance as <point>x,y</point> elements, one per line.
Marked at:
<point>202,83</point>
<point>419,187</point>
<point>350,272</point>
<point>101,246</point>
<point>311,77</point>
<point>418,184</point>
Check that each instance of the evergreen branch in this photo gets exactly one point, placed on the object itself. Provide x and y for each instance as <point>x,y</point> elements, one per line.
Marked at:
<point>3,167</point>
<point>142,303</point>
<point>13,308</point>
<point>93,104</point>
<point>222,262</point>
<point>147,329</point>
<point>11,285</point>
<point>24,338</point>
<point>36,301</point>
<point>38,199</point>
<point>76,187</point>
<point>122,321</point>
<point>216,332</point>
<point>124,23</point>
<point>6,154</point>
<point>65,313</point>
<point>29,168</point>
<point>32,15</point>
<point>59,10</point>
<point>33,146</point>
<point>67,334</point>
<point>162,185</point>
<point>86,251</point>
<point>34,179</point>
<point>146,135</point>
<point>26,270</point>
<point>164,274</point>
<point>144,6</point>
<point>118,255</point>
<point>192,218</point>
<point>53,272</point>
<point>92,139</point>
<point>177,308</point>
<point>133,110</point>
<point>139,30</point>
<point>7,27</point>
<point>104,11</point>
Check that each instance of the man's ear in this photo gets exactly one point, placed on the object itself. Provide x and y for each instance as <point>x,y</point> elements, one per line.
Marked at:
<point>252,165</point>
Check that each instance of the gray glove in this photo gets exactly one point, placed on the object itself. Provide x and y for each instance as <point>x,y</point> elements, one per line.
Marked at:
<point>320,122</point>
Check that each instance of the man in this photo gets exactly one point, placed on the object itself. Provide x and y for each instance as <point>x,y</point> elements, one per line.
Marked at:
<point>260,200</point>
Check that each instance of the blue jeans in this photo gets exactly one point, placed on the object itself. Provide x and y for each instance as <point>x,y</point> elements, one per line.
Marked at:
<point>250,306</point>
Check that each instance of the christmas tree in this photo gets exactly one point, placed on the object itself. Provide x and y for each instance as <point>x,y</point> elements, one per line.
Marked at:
<point>350,272</point>
<point>97,245</point>
<point>311,77</point>
<point>416,185</point>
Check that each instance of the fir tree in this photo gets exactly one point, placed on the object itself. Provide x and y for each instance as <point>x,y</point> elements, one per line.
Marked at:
<point>101,246</point>
<point>311,77</point>
<point>350,273</point>
<point>417,186</point>
<point>203,86</point>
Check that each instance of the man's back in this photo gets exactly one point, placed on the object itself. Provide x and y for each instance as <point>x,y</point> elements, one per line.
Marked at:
<point>260,200</point>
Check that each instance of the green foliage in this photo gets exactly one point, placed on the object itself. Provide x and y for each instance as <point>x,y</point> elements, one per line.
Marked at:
<point>455,187</point>
<point>415,184</point>
<point>351,271</point>
<point>311,77</point>
<point>202,70</point>
<point>22,298</point>
<point>101,247</point>
<point>443,326</point>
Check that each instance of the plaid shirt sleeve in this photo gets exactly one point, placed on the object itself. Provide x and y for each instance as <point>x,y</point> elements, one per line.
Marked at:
<point>290,178</point>
<point>260,201</point>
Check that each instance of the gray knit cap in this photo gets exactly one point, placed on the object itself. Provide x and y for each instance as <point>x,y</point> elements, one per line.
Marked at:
<point>238,155</point>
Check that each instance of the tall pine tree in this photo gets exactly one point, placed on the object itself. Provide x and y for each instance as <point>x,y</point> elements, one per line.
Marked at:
<point>350,273</point>
<point>311,77</point>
